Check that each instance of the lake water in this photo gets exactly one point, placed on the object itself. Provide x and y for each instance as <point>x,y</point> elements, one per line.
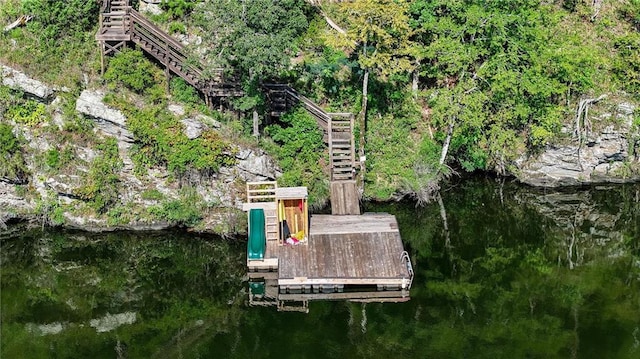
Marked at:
<point>502,271</point>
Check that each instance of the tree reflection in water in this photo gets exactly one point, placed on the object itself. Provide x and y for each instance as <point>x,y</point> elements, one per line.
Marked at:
<point>513,272</point>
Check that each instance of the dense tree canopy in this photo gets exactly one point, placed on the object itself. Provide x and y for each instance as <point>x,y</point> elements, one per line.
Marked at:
<point>464,85</point>
<point>508,71</point>
<point>255,38</point>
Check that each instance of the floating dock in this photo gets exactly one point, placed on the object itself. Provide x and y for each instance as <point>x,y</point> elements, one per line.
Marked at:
<point>351,250</point>
<point>352,257</point>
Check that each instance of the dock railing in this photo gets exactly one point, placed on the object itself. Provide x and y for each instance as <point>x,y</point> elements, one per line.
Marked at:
<point>264,191</point>
<point>404,258</point>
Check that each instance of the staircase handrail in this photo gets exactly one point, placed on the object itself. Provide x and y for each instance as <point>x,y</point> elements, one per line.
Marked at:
<point>307,103</point>
<point>105,18</point>
<point>156,30</point>
<point>311,106</point>
<point>130,25</point>
<point>176,51</point>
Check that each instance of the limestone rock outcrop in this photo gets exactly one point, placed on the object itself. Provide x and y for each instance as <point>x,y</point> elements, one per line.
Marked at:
<point>609,155</point>
<point>20,81</point>
<point>48,189</point>
<point>111,121</point>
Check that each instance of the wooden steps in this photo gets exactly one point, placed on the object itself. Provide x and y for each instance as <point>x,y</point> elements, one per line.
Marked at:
<point>271,224</point>
<point>341,149</point>
<point>338,134</point>
<point>120,23</point>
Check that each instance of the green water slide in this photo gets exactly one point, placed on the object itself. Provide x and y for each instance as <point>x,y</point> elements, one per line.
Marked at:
<point>257,238</point>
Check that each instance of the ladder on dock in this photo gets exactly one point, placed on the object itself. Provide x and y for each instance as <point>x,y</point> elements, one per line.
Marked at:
<point>338,129</point>
<point>121,24</point>
<point>265,192</point>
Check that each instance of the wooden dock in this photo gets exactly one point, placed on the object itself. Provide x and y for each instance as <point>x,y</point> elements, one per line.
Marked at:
<point>342,251</point>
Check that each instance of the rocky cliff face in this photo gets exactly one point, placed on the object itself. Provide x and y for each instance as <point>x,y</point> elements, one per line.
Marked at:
<point>223,192</point>
<point>610,154</point>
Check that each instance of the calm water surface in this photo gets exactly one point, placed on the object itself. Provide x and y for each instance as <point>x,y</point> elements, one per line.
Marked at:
<point>502,271</point>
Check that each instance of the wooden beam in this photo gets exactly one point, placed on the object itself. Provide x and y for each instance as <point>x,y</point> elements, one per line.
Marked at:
<point>400,295</point>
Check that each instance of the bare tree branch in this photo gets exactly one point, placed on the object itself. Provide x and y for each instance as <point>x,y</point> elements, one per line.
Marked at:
<point>22,20</point>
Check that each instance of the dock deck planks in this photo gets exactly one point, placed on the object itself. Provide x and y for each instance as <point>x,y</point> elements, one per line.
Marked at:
<point>348,250</point>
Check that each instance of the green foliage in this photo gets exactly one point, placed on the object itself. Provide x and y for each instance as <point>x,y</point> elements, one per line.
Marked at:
<point>50,209</point>
<point>8,141</point>
<point>152,195</point>
<point>380,32</point>
<point>12,165</point>
<point>177,28</point>
<point>52,159</point>
<point>392,160</point>
<point>9,98</point>
<point>161,142</point>
<point>627,65</point>
<point>206,153</point>
<point>62,18</point>
<point>131,69</point>
<point>255,38</point>
<point>183,92</point>
<point>100,185</point>
<point>57,46</point>
<point>178,8</point>
<point>499,79</point>
<point>300,153</point>
<point>56,159</point>
<point>29,112</point>
<point>630,11</point>
<point>117,215</point>
<point>186,211</point>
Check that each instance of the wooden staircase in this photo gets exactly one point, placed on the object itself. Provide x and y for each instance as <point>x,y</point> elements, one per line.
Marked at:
<point>341,149</point>
<point>120,24</point>
<point>283,97</point>
<point>338,128</point>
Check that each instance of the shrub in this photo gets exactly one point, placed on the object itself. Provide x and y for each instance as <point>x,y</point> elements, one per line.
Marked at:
<point>300,153</point>
<point>131,69</point>
<point>178,8</point>
<point>30,113</point>
<point>177,28</point>
<point>183,92</point>
<point>57,45</point>
<point>56,159</point>
<point>627,65</point>
<point>52,159</point>
<point>62,18</point>
<point>152,195</point>
<point>12,165</point>
<point>184,211</point>
<point>100,187</point>
<point>161,142</point>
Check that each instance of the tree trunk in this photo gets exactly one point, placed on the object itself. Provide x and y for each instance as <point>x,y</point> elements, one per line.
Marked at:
<point>256,122</point>
<point>332,23</point>
<point>22,20</point>
<point>447,141</point>
<point>582,121</point>
<point>597,5</point>
<point>363,112</point>
<point>415,79</point>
